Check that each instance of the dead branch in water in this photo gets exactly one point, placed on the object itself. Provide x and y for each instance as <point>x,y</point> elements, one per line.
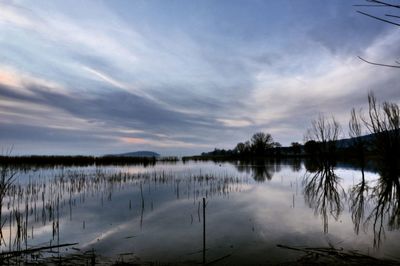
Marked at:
<point>10,254</point>
<point>332,256</point>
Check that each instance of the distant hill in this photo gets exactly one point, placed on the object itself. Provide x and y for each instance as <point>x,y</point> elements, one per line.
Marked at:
<point>136,154</point>
<point>345,143</point>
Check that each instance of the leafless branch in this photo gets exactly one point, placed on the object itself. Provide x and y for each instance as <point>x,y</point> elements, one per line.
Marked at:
<point>370,5</point>
<point>393,16</point>
<point>378,18</point>
<point>378,64</point>
<point>384,3</point>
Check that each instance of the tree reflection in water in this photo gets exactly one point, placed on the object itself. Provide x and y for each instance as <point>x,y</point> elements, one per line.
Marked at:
<point>261,170</point>
<point>264,169</point>
<point>358,196</point>
<point>377,205</point>
<point>322,191</point>
<point>386,198</point>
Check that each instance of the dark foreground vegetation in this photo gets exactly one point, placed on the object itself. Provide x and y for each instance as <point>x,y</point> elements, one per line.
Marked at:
<point>312,256</point>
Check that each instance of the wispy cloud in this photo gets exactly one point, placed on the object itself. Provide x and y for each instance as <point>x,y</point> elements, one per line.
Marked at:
<point>235,122</point>
<point>133,75</point>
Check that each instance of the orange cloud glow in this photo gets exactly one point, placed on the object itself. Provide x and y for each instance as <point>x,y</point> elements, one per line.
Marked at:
<point>134,140</point>
<point>9,79</point>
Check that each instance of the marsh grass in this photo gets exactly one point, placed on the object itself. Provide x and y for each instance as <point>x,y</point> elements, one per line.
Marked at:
<point>45,200</point>
<point>42,201</point>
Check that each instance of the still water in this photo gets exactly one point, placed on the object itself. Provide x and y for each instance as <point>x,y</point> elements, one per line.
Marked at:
<point>154,213</point>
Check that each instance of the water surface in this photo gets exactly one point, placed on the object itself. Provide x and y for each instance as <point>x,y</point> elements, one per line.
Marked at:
<point>154,213</point>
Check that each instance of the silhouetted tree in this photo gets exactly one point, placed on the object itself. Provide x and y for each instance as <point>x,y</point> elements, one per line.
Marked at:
<point>260,142</point>
<point>358,143</point>
<point>276,145</point>
<point>384,122</point>
<point>296,148</point>
<point>247,146</point>
<point>325,132</point>
<point>355,127</point>
<point>311,147</point>
<point>240,148</point>
<point>277,149</point>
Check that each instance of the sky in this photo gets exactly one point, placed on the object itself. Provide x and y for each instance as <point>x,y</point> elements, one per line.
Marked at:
<point>183,77</point>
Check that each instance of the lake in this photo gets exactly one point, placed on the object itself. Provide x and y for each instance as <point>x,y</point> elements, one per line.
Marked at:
<point>155,213</point>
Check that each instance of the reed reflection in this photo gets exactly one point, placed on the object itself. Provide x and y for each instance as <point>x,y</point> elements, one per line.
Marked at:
<point>46,201</point>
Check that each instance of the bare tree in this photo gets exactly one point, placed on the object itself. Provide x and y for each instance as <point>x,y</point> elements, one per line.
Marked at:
<point>383,117</point>
<point>355,127</point>
<point>296,148</point>
<point>323,129</point>
<point>355,133</point>
<point>383,121</point>
<point>358,193</point>
<point>325,132</point>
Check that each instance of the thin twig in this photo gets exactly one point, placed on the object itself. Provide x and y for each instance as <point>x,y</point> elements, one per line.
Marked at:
<point>385,4</point>
<point>378,18</point>
<point>378,64</point>
<point>393,16</point>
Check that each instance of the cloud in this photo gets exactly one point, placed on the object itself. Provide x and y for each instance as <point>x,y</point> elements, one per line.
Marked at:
<point>187,81</point>
<point>288,103</point>
<point>112,116</point>
<point>235,123</point>
<point>162,143</point>
<point>18,16</point>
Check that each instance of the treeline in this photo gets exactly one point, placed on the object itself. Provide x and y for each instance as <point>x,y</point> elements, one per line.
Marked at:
<point>260,145</point>
<point>374,133</point>
<point>82,160</point>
